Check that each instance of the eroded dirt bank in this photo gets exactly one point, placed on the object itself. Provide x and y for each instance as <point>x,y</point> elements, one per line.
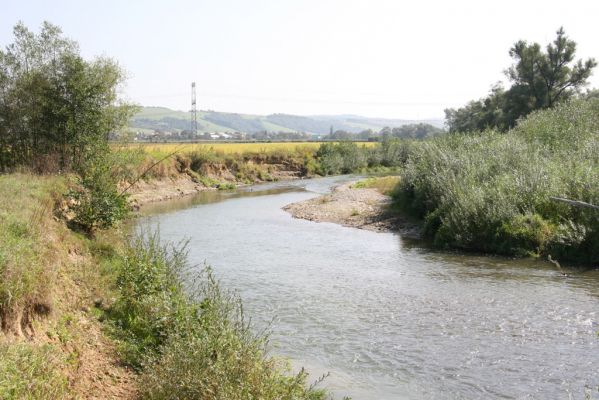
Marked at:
<point>211,177</point>
<point>145,192</point>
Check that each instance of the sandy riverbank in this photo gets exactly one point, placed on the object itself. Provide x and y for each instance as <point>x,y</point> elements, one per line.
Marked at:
<point>363,208</point>
<point>183,184</point>
<point>164,189</point>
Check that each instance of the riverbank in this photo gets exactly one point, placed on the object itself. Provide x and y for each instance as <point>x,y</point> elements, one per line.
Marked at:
<point>54,284</point>
<point>413,311</point>
<point>106,316</point>
<point>156,190</point>
<point>357,207</point>
<point>190,173</point>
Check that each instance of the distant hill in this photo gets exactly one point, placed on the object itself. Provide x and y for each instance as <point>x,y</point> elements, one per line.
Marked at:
<point>165,119</point>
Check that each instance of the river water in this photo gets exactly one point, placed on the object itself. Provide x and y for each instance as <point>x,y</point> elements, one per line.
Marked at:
<point>389,318</point>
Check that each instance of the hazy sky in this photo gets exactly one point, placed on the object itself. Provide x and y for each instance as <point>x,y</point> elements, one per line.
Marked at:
<point>385,58</point>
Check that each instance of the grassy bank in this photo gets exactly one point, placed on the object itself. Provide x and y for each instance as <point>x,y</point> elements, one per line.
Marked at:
<point>51,342</point>
<point>107,317</point>
<point>193,343</point>
<point>492,192</point>
<point>27,204</point>
<point>224,164</point>
<point>217,165</point>
<point>384,184</point>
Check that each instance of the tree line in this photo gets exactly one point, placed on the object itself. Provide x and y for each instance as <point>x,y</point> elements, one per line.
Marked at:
<point>56,108</point>
<point>540,79</point>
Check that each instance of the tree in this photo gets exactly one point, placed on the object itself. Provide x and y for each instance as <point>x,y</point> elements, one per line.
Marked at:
<point>479,115</point>
<point>415,131</point>
<point>591,94</point>
<point>548,77</point>
<point>540,79</point>
<point>56,109</point>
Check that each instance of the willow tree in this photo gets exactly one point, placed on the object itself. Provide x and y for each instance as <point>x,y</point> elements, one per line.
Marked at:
<point>56,108</point>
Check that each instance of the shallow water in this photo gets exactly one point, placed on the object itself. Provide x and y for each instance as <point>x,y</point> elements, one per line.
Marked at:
<point>388,318</point>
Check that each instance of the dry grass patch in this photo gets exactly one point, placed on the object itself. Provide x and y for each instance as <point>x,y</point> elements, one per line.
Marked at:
<point>385,184</point>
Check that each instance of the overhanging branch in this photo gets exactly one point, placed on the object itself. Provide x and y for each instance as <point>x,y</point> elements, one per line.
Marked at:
<point>575,203</point>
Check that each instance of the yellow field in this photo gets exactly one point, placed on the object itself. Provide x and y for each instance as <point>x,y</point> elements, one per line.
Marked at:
<point>229,148</point>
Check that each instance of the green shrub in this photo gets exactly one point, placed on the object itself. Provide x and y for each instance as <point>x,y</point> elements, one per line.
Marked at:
<point>199,158</point>
<point>391,153</point>
<point>526,235</point>
<point>216,355</point>
<point>492,192</point>
<point>225,186</point>
<point>192,342</point>
<point>96,201</point>
<point>341,158</point>
<point>151,297</point>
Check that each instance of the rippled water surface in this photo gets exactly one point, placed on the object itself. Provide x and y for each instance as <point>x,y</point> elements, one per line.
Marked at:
<point>387,318</point>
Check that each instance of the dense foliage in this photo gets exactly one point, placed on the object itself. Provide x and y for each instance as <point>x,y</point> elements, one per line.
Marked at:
<point>348,157</point>
<point>54,105</point>
<point>56,113</point>
<point>192,346</point>
<point>95,199</point>
<point>539,80</point>
<point>492,192</point>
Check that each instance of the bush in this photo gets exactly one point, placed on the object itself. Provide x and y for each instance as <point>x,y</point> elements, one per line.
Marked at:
<point>96,201</point>
<point>217,356</point>
<point>192,346</point>
<point>341,158</point>
<point>526,235</point>
<point>151,297</point>
<point>391,153</point>
<point>492,192</point>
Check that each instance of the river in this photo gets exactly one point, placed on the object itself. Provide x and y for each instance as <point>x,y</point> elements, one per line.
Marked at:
<point>386,317</point>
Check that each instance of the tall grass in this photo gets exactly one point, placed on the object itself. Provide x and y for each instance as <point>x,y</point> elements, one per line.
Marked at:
<point>31,372</point>
<point>384,184</point>
<point>192,342</point>
<point>25,250</point>
<point>492,192</point>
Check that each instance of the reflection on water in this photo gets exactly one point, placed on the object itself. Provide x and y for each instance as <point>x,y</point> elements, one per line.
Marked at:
<point>387,319</point>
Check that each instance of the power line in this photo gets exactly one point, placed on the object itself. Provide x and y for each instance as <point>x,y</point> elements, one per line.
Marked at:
<point>194,110</point>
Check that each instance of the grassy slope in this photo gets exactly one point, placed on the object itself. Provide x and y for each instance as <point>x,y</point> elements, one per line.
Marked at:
<point>51,345</point>
<point>272,127</point>
<point>56,287</point>
<point>384,184</point>
<point>158,113</point>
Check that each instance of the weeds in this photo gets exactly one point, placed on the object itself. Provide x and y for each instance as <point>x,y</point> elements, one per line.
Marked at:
<point>492,192</point>
<point>24,277</point>
<point>192,346</point>
<point>385,184</point>
<point>31,372</point>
